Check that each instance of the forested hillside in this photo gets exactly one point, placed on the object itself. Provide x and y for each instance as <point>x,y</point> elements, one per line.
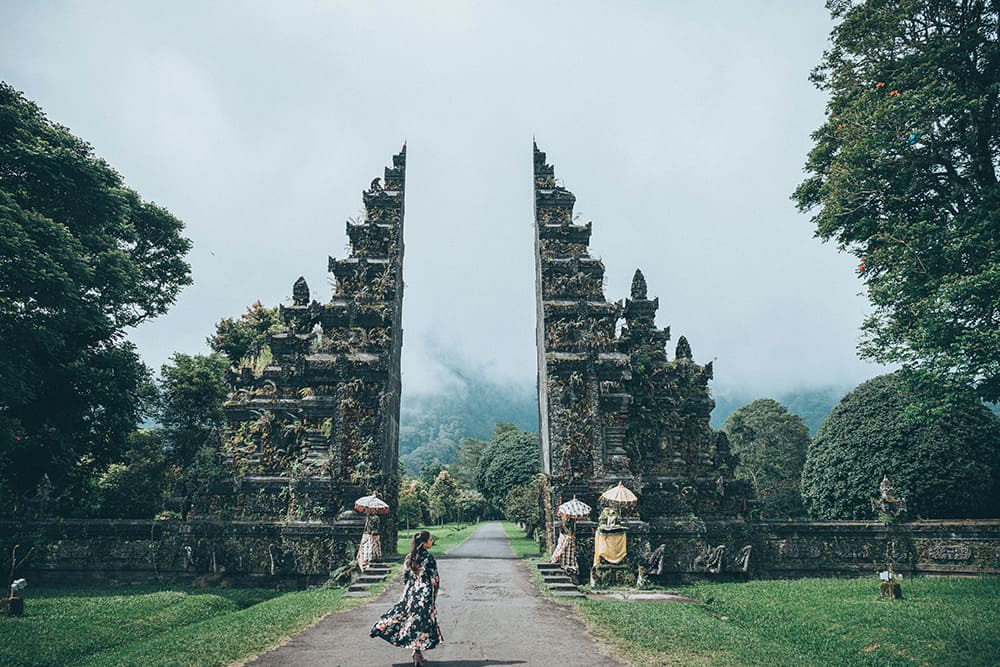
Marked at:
<point>812,404</point>
<point>432,424</point>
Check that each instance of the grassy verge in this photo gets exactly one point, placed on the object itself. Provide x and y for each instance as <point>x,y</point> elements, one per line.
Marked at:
<point>942,621</point>
<point>169,626</point>
<point>446,537</point>
<point>172,626</point>
<point>522,545</point>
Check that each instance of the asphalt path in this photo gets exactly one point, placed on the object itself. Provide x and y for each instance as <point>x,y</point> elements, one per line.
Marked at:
<point>489,610</point>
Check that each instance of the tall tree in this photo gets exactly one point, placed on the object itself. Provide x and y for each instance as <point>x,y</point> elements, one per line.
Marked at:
<point>443,496</point>
<point>903,175</point>
<point>246,335</point>
<point>512,459</point>
<point>82,258</point>
<point>464,469</point>
<point>771,443</point>
<point>193,389</point>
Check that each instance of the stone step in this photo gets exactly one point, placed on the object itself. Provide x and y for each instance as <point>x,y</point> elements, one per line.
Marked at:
<point>562,579</point>
<point>370,579</point>
<point>355,594</point>
<point>549,566</point>
<point>359,587</point>
<point>377,568</point>
<point>562,587</point>
<point>568,594</point>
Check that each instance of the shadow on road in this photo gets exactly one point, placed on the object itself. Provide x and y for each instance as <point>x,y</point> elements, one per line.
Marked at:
<point>465,663</point>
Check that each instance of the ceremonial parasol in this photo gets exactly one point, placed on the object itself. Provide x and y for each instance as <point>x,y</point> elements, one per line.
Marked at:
<point>371,505</point>
<point>574,509</point>
<point>619,495</point>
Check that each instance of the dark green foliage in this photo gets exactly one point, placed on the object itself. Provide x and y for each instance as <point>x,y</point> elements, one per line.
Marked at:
<point>193,389</point>
<point>812,404</point>
<point>904,176</point>
<point>512,459</point>
<point>470,505</point>
<point>134,488</point>
<point>443,495</point>
<point>432,425</point>
<point>82,257</point>
<point>429,474</point>
<point>771,443</point>
<point>465,468</point>
<point>523,505</point>
<point>413,504</point>
<point>246,335</point>
<point>438,450</point>
<point>940,448</point>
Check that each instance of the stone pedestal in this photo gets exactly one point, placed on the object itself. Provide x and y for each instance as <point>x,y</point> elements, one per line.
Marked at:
<point>607,576</point>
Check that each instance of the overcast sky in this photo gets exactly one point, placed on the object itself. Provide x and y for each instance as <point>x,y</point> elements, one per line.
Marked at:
<point>681,127</point>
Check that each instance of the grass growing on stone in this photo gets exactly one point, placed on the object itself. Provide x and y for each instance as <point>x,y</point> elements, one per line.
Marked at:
<point>941,621</point>
<point>523,546</point>
<point>446,536</point>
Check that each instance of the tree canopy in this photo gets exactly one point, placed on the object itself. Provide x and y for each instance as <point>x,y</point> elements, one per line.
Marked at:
<point>512,459</point>
<point>247,335</point>
<point>192,391</point>
<point>771,443</point>
<point>903,175</point>
<point>82,257</point>
<point>940,450</point>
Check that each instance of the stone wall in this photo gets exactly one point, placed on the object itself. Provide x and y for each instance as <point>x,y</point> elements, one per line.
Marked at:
<point>207,551</point>
<point>296,554</point>
<point>697,549</point>
<point>850,548</point>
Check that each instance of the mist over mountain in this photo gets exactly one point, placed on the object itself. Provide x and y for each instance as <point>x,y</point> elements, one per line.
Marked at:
<point>813,404</point>
<point>472,401</point>
<point>432,424</point>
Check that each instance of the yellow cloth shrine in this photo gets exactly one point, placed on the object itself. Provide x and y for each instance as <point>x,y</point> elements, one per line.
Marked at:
<point>609,546</point>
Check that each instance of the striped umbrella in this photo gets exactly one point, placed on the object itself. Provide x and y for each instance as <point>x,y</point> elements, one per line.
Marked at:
<point>574,509</point>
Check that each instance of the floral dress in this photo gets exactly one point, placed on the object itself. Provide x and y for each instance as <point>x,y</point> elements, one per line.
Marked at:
<point>412,622</point>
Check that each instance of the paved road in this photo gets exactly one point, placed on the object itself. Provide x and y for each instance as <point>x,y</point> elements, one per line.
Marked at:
<point>489,610</point>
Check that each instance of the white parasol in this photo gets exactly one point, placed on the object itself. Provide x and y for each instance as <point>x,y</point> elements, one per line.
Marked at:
<point>371,505</point>
<point>574,509</point>
<point>619,495</point>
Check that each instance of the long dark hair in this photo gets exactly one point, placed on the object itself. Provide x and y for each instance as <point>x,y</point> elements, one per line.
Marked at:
<point>419,538</point>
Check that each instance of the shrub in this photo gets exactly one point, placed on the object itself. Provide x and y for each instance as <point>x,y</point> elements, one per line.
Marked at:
<point>939,446</point>
<point>771,443</point>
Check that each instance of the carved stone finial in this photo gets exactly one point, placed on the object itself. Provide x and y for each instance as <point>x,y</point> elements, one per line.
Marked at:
<point>683,350</point>
<point>638,285</point>
<point>376,185</point>
<point>300,292</point>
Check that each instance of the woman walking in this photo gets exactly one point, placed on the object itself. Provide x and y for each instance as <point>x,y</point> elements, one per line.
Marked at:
<point>412,622</point>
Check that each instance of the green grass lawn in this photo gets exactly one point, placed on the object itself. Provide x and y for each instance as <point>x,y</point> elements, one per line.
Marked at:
<point>446,537</point>
<point>157,626</point>
<point>170,626</point>
<point>522,545</point>
<point>941,621</point>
